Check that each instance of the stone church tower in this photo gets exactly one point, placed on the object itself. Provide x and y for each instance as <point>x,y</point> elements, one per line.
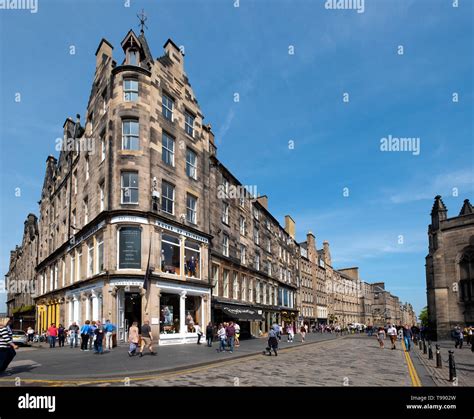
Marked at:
<point>450,269</point>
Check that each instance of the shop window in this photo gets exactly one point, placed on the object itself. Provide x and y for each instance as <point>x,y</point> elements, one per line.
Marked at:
<point>192,308</point>
<point>169,313</point>
<point>170,254</point>
<point>192,256</point>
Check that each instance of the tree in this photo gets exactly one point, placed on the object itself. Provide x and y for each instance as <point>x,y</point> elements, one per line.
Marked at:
<point>423,316</point>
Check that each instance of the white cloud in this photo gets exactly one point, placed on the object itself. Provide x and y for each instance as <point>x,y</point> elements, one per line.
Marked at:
<point>443,184</point>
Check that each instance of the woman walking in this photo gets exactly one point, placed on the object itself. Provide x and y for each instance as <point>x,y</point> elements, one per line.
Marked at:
<point>61,336</point>
<point>85,331</point>
<point>381,337</point>
<point>291,333</point>
<point>303,333</point>
<point>133,338</point>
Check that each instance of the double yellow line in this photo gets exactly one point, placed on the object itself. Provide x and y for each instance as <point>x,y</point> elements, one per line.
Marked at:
<point>415,380</point>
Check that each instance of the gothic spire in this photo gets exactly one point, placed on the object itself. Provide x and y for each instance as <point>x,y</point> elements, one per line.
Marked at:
<point>467,208</point>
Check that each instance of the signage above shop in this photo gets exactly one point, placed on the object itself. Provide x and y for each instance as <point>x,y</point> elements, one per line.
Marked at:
<point>182,232</point>
<point>128,219</point>
<point>74,241</point>
<point>242,313</point>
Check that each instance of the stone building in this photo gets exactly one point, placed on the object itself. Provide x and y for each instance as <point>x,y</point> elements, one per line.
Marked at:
<point>450,269</point>
<point>312,290</point>
<point>129,197</point>
<point>253,258</point>
<point>366,303</point>
<point>20,281</point>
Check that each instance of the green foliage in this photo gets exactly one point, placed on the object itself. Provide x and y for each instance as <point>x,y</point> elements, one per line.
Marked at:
<point>423,316</point>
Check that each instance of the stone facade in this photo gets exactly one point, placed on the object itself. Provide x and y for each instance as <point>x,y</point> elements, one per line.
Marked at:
<point>450,269</point>
<point>20,281</point>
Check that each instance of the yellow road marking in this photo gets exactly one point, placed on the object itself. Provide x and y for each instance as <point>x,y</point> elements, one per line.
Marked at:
<point>415,380</point>
<point>57,383</point>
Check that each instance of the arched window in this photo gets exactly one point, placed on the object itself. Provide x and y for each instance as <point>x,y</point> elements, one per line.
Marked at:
<point>466,269</point>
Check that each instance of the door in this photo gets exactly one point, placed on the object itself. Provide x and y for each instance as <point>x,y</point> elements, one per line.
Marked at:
<point>133,309</point>
<point>121,327</point>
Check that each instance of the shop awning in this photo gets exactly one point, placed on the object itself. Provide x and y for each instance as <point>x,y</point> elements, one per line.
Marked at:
<point>242,313</point>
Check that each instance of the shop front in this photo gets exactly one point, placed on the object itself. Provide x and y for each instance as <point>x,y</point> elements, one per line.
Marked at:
<point>250,319</point>
<point>182,307</point>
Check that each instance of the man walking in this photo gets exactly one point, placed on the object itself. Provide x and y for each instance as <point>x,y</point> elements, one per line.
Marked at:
<point>458,337</point>
<point>392,333</point>
<point>109,329</point>
<point>407,336</point>
<point>7,347</point>
<point>230,333</point>
<point>209,334</point>
<point>147,338</point>
<point>73,332</point>
<point>198,330</point>
<point>85,331</point>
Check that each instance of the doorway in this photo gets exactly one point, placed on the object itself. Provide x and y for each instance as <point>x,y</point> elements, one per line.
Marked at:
<point>132,309</point>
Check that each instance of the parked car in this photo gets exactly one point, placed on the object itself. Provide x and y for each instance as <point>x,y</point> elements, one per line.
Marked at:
<point>19,337</point>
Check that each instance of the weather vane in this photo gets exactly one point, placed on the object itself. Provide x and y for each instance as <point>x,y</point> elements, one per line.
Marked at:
<point>143,19</point>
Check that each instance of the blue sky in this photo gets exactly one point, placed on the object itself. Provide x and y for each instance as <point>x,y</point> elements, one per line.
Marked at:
<point>283,97</point>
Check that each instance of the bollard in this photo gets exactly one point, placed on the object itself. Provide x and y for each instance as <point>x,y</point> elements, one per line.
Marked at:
<point>424,346</point>
<point>439,363</point>
<point>452,366</point>
<point>420,344</point>
<point>430,351</point>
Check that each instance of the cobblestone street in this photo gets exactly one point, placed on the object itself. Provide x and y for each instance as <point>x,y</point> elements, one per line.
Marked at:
<point>352,362</point>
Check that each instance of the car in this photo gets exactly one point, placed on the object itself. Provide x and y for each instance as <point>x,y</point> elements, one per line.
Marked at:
<point>19,337</point>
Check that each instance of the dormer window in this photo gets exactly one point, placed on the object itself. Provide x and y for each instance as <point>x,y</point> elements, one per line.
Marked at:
<point>132,57</point>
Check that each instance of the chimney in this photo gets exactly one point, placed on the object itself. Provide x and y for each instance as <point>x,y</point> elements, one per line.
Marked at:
<point>174,53</point>
<point>327,253</point>
<point>104,51</point>
<point>311,247</point>
<point>263,201</point>
<point>290,226</point>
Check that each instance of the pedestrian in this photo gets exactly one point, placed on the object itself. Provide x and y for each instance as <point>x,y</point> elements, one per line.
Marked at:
<point>303,333</point>
<point>469,336</point>
<point>52,335</point>
<point>7,347</point>
<point>61,336</point>
<point>222,338</point>
<point>458,337</point>
<point>99,338</point>
<point>198,330</point>
<point>237,334</point>
<point>381,337</point>
<point>73,332</point>
<point>407,336</point>
<point>400,333</point>
<point>30,333</point>
<point>209,334</point>
<point>230,333</point>
<point>85,332</point>
<point>146,338</point>
<point>92,334</point>
<point>109,329</point>
<point>133,338</point>
<point>291,333</point>
<point>392,333</point>
<point>272,342</point>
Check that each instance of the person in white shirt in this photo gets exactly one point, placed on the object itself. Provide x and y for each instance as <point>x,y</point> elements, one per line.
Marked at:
<point>198,330</point>
<point>392,332</point>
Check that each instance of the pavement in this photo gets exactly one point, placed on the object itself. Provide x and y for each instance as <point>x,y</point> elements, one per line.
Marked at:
<point>463,358</point>
<point>323,360</point>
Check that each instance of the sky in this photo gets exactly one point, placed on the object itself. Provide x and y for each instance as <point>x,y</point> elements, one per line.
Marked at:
<point>318,90</point>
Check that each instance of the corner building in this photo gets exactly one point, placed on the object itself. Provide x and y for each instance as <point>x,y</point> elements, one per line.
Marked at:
<point>130,197</point>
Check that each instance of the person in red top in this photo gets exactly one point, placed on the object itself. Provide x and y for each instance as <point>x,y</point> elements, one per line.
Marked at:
<point>52,334</point>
